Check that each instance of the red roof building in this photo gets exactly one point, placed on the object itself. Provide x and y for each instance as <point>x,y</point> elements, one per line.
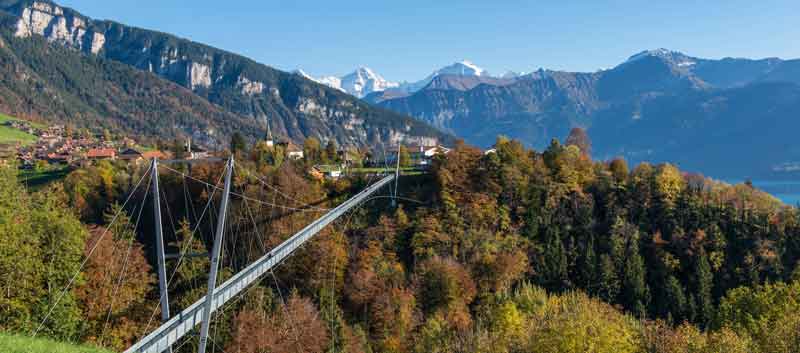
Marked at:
<point>155,154</point>
<point>101,153</point>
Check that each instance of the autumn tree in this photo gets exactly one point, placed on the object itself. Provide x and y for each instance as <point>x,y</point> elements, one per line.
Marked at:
<point>767,313</point>
<point>291,327</point>
<point>41,246</point>
<point>579,138</point>
<point>405,157</point>
<point>113,295</point>
<point>619,169</point>
<point>312,150</point>
<point>444,286</point>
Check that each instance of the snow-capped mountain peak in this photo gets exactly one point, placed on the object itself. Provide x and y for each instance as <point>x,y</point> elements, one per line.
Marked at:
<point>673,57</point>
<point>364,81</point>
<point>462,68</point>
<point>302,73</point>
<point>359,83</point>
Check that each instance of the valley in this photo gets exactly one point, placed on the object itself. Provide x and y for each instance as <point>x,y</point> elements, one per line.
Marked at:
<point>159,194</point>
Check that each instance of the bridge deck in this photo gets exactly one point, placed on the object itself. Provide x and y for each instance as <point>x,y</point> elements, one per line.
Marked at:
<point>179,325</point>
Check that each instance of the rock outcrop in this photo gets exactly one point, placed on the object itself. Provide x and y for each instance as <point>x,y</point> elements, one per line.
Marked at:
<point>295,107</point>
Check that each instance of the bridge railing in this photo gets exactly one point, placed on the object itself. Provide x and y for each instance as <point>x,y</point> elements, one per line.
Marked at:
<point>179,325</point>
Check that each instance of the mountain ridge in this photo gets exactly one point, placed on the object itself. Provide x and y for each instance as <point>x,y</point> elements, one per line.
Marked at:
<point>637,98</point>
<point>293,106</point>
<point>375,86</point>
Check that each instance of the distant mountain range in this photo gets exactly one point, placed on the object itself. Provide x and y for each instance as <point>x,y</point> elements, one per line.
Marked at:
<point>365,82</point>
<point>61,66</point>
<point>731,118</point>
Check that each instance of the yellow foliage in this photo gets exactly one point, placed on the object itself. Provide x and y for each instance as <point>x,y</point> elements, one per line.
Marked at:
<point>669,183</point>
<point>573,323</point>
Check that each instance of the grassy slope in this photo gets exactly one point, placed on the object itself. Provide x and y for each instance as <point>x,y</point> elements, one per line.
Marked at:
<point>36,179</point>
<point>19,344</point>
<point>9,135</point>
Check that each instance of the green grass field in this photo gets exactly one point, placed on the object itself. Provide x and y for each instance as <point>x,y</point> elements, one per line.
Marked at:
<point>35,179</point>
<point>4,118</point>
<point>20,344</point>
<point>10,136</point>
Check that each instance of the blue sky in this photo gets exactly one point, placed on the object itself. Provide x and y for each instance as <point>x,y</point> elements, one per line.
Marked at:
<point>406,40</point>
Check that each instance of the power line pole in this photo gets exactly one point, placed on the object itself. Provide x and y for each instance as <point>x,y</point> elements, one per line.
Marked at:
<point>212,277</point>
<point>162,270</point>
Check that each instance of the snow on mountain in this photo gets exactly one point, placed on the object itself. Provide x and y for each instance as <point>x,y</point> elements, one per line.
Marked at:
<point>303,73</point>
<point>332,81</point>
<point>359,83</point>
<point>462,68</point>
<point>364,81</point>
<point>673,57</point>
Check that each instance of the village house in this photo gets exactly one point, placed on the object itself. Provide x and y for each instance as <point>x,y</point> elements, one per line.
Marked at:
<point>293,152</point>
<point>130,155</point>
<point>101,154</point>
<point>420,155</point>
<point>60,158</point>
<point>195,152</point>
<point>155,154</point>
<point>330,171</point>
<point>316,173</point>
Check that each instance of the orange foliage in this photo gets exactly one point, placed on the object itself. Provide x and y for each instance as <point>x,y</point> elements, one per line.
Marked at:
<point>293,328</point>
<point>115,279</point>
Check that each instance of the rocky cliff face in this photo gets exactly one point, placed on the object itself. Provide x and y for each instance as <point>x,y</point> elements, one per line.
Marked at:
<point>531,108</point>
<point>53,23</point>
<point>293,106</point>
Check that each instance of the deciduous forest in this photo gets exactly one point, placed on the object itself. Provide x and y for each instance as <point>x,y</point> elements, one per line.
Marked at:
<point>510,251</point>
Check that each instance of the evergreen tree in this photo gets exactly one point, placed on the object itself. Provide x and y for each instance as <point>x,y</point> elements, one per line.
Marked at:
<point>704,281</point>
<point>238,143</point>
<point>331,154</point>
<point>178,149</point>
<point>691,308</point>
<point>312,150</point>
<point>635,293</point>
<point>609,281</point>
<point>588,267</point>
<point>555,261</point>
<point>675,299</point>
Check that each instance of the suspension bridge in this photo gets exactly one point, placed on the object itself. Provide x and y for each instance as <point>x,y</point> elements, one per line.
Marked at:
<point>173,328</point>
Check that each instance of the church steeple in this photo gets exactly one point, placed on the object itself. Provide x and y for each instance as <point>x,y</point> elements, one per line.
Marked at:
<point>268,138</point>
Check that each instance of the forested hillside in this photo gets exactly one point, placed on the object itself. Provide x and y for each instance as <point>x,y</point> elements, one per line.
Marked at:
<point>57,85</point>
<point>159,85</point>
<point>511,251</point>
